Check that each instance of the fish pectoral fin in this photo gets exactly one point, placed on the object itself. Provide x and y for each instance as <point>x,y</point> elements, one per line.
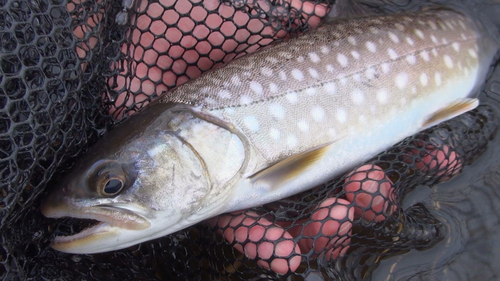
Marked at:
<point>290,167</point>
<point>453,110</point>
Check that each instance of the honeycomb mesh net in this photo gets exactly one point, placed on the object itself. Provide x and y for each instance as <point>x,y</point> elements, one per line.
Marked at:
<point>70,70</point>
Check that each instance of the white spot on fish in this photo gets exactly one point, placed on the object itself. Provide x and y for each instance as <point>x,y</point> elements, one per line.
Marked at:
<point>357,96</point>
<point>413,90</point>
<point>266,71</point>
<point>442,26</point>
<point>225,94</point>
<point>472,53</point>
<point>246,99</point>
<point>286,55</point>
<point>274,134</point>
<point>282,75</point>
<point>456,46</point>
<point>392,54</point>
<point>434,52</point>
<point>351,40</point>
<point>393,37</point>
<point>419,33</point>
<point>409,41</point>
<point>450,25</point>
<point>411,59</point>
<point>362,119</point>
<point>370,73</point>
<point>300,59</point>
<point>385,67</point>
<point>432,25</point>
<point>401,80</point>
<point>448,61</point>
<point>329,68</point>
<point>399,26</point>
<point>330,88</point>
<point>318,113</point>
<point>425,55</point>
<point>311,91</point>
<point>434,39</point>
<point>272,59</point>
<point>341,115</point>
<point>342,59</point>
<point>297,74</point>
<point>466,71</point>
<point>314,57</point>
<point>277,110</point>
<point>325,49</point>
<point>463,36</point>
<point>230,111</point>
<point>424,79</point>
<point>371,46</point>
<point>313,73</point>
<point>205,90</point>
<point>235,80</point>
<point>382,96</point>
<point>461,23</point>
<point>357,77</point>
<point>303,125</point>
<point>374,30</point>
<point>437,78</point>
<point>445,41</point>
<point>251,123</point>
<point>355,54</point>
<point>256,87</point>
<point>292,97</point>
<point>291,141</point>
<point>273,88</point>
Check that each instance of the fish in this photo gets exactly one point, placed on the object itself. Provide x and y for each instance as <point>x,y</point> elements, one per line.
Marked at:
<point>272,124</point>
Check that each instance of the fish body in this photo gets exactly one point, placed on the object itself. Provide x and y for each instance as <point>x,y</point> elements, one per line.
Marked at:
<point>272,124</point>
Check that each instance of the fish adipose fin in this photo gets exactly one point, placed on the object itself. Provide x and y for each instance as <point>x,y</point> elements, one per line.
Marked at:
<point>453,110</point>
<point>290,167</point>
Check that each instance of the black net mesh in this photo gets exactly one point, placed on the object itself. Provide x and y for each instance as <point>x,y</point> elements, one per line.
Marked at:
<point>70,70</point>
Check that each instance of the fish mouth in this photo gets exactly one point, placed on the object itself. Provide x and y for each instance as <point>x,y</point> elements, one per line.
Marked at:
<point>100,221</point>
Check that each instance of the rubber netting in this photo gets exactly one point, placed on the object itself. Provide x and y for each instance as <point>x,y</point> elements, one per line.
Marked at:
<point>69,70</point>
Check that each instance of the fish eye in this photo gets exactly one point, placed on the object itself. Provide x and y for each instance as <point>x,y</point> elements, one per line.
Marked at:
<point>113,186</point>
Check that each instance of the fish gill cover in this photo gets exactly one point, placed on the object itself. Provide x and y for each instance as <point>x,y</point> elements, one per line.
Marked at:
<point>70,70</point>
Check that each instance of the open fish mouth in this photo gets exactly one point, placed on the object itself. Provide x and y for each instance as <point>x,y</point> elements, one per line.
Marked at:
<point>95,222</point>
<point>84,228</point>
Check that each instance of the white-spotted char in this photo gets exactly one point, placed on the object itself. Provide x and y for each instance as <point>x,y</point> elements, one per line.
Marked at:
<point>272,124</point>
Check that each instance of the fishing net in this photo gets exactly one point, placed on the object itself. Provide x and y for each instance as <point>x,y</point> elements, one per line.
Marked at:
<point>70,70</point>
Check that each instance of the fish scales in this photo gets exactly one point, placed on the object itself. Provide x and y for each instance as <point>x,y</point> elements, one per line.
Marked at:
<point>272,124</point>
<point>371,63</point>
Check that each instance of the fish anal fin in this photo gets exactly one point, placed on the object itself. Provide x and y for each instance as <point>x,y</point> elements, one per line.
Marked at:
<point>290,167</point>
<point>453,110</point>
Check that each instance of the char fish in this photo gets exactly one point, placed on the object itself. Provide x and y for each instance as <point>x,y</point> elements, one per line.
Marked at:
<point>272,124</point>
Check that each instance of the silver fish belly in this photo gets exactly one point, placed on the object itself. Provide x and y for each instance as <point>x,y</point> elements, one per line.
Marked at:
<point>272,124</point>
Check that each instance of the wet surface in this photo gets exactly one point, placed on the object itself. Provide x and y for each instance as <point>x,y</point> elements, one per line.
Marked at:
<point>467,206</point>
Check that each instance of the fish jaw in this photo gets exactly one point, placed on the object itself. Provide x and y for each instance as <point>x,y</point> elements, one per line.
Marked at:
<point>117,224</point>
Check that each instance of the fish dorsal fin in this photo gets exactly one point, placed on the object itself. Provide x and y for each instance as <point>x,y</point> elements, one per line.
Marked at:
<point>290,167</point>
<point>453,110</point>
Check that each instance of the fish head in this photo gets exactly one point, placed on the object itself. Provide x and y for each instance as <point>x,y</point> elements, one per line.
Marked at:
<point>130,181</point>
